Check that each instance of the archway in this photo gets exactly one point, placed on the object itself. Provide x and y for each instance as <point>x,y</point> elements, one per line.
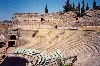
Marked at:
<point>11,44</point>
<point>13,37</point>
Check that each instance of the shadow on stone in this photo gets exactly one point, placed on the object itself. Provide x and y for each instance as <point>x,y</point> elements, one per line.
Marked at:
<point>14,61</point>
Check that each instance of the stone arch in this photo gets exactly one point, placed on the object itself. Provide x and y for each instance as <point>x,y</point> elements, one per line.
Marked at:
<point>12,37</point>
<point>11,43</point>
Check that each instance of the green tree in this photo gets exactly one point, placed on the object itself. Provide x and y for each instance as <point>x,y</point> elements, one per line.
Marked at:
<point>67,7</point>
<point>79,8</point>
<point>87,7</point>
<point>94,4</point>
<point>46,9</point>
<point>82,9</point>
<point>73,6</point>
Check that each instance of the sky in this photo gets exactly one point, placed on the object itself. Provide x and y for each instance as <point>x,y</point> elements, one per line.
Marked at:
<point>9,7</point>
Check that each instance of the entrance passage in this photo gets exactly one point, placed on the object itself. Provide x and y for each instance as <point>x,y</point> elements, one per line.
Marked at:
<point>14,61</point>
<point>2,44</point>
<point>13,37</point>
<point>11,44</point>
